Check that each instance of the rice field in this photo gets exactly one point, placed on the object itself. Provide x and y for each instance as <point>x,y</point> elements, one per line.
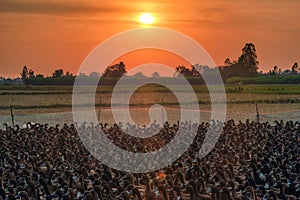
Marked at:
<point>54,103</point>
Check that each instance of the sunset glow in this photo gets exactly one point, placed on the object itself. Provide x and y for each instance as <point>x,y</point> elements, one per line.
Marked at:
<point>47,35</point>
<point>146,18</point>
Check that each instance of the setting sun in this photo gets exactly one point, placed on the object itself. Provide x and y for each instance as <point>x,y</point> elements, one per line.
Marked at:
<point>146,18</point>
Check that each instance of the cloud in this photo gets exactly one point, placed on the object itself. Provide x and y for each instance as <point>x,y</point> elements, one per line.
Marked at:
<point>196,21</point>
<point>53,7</point>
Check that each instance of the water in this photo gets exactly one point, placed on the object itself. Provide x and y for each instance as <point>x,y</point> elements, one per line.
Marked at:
<point>140,116</point>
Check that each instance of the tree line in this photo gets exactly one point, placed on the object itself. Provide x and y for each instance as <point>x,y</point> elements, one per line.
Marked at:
<point>245,66</point>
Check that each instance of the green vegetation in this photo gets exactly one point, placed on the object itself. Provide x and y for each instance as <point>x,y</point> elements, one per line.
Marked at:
<point>242,71</point>
<point>276,89</point>
<point>290,79</point>
<point>278,100</point>
<point>149,88</point>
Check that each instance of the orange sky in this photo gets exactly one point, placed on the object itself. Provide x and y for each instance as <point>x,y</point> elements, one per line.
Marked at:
<point>47,35</point>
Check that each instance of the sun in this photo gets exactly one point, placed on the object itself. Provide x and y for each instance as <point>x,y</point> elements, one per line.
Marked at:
<point>146,18</point>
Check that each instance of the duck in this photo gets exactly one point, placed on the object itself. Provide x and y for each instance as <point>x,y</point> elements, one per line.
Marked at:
<point>235,195</point>
<point>149,194</point>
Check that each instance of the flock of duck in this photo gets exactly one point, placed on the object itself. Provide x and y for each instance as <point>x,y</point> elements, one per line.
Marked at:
<point>251,160</point>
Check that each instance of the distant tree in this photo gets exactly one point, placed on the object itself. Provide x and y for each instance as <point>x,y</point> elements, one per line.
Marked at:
<point>40,76</point>
<point>286,72</point>
<point>182,71</point>
<point>229,71</point>
<point>117,70</point>
<point>156,75</point>
<point>295,68</point>
<point>58,73</point>
<point>31,73</point>
<point>25,76</point>
<point>195,71</point>
<point>198,69</point>
<point>94,74</point>
<point>247,62</point>
<point>227,62</point>
<point>270,72</point>
<point>82,74</point>
<point>68,74</point>
<point>139,75</point>
<point>274,71</point>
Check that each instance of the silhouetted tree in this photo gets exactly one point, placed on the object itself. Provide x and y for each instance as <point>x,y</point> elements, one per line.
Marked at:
<point>182,71</point>
<point>227,62</point>
<point>117,70</point>
<point>139,75</point>
<point>25,76</point>
<point>247,62</point>
<point>295,68</point>
<point>94,74</point>
<point>286,72</point>
<point>155,75</point>
<point>229,71</point>
<point>58,73</point>
<point>31,73</point>
<point>68,74</point>
<point>274,71</point>
<point>40,76</point>
<point>195,70</point>
<point>82,74</point>
<point>198,69</point>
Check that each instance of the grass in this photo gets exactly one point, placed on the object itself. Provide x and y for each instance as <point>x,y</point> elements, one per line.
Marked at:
<point>55,98</point>
<point>230,88</point>
<point>278,79</point>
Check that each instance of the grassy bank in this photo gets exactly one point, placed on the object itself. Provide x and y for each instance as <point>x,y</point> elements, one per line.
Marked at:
<point>229,87</point>
<point>56,98</point>
<point>266,79</point>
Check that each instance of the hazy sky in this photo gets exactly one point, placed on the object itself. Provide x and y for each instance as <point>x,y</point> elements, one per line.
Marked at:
<point>47,35</point>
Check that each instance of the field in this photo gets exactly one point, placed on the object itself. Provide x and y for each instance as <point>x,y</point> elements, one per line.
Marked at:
<point>54,103</point>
